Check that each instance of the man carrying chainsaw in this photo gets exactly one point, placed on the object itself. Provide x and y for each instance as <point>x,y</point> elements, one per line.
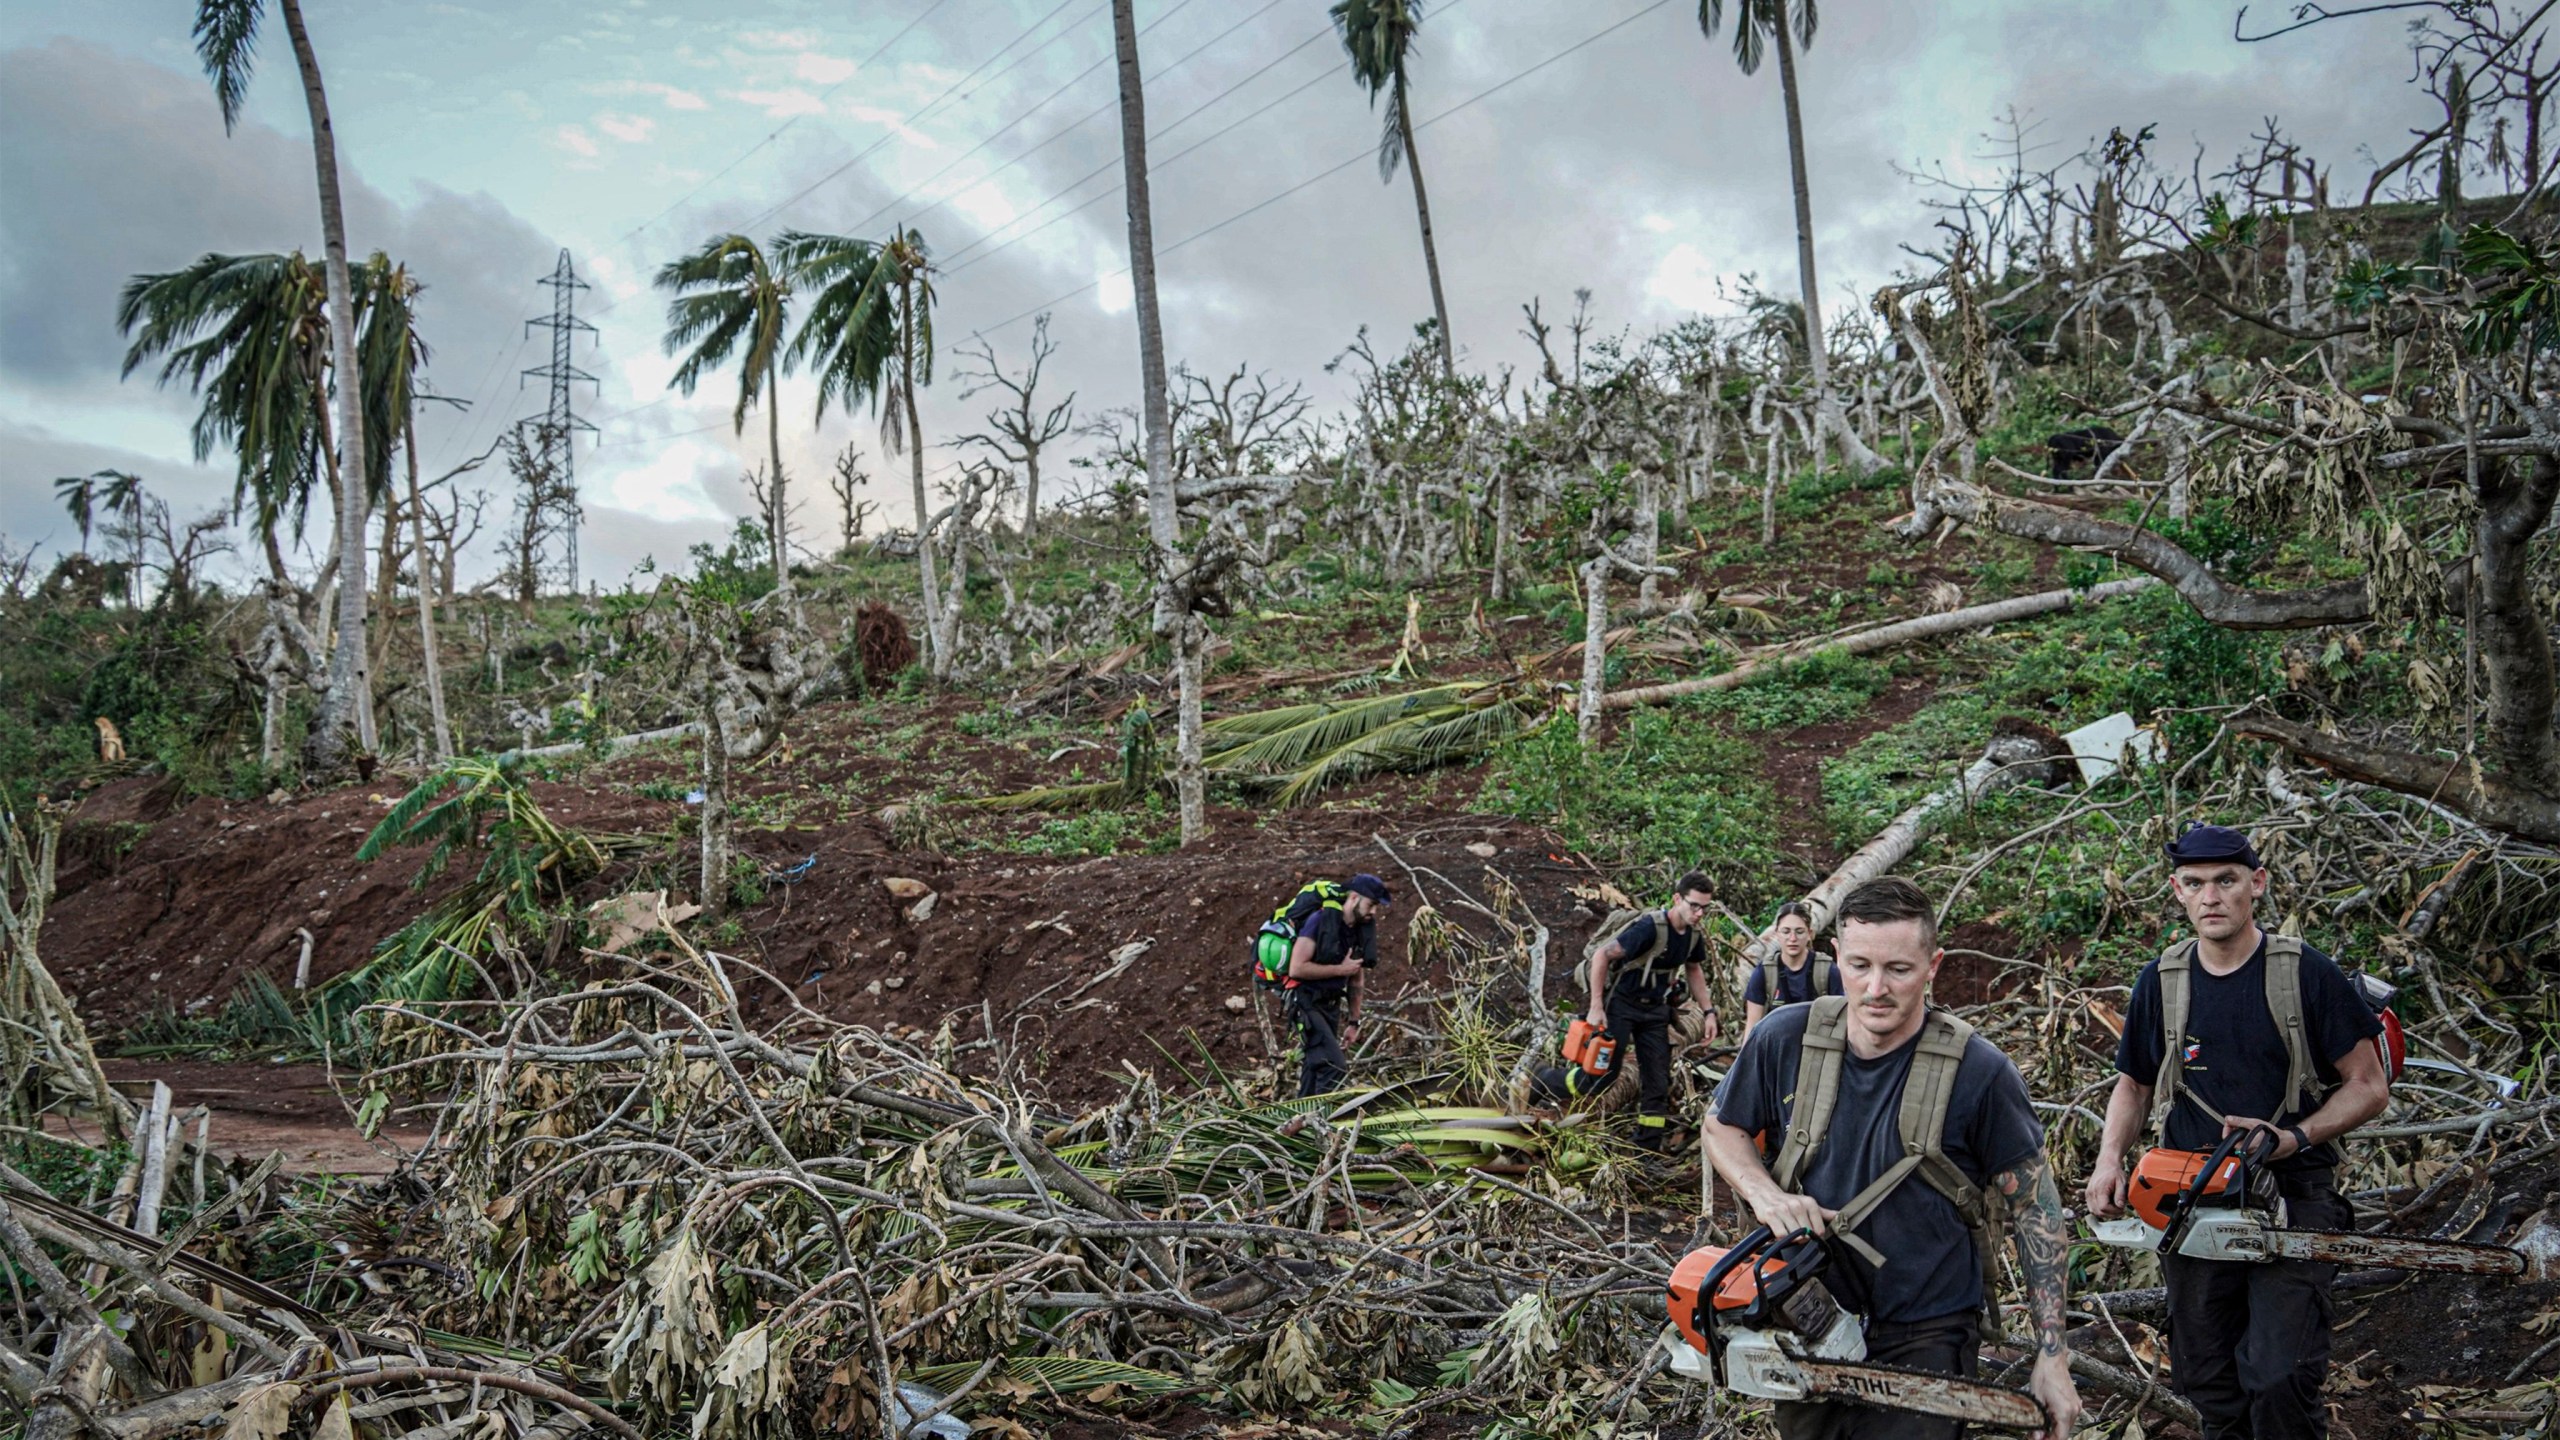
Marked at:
<point>1634,981</point>
<point>1335,943</point>
<point>2234,1030</point>
<point>1901,1137</point>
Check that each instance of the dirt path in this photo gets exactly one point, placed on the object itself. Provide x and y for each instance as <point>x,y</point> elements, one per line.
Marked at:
<point>257,1108</point>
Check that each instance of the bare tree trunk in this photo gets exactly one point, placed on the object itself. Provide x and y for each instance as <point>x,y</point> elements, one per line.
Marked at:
<point>1595,648</point>
<point>1422,210</point>
<point>1648,537</point>
<point>1499,588</point>
<point>778,513</point>
<point>1882,637</point>
<point>433,666</point>
<point>715,809</point>
<point>1030,495</point>
<point>1828,421</point>
<point>1173,618</point>
<point>935,661</point>
<point>1769,492</point>
<point>324,750</point>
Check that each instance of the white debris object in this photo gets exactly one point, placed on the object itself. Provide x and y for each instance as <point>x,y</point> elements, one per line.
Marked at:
<point>2104,745</point>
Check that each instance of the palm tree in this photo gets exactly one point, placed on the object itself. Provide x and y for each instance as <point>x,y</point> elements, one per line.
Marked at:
<point>392,355</point>
<point>1757,25</point>
<point>249,334</point>
<point>83,496</point>
<point>910,267</point>
<point>226,35</point>
<point>1173,618</point>
<point>1379,34</point>
<point>730,300</point>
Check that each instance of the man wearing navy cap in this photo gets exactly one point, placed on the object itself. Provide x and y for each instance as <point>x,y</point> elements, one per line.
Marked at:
<point>1335,944</point>
<point>2206,1040</point>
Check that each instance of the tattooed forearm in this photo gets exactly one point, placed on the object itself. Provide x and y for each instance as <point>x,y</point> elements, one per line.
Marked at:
<point>2044,1240</point>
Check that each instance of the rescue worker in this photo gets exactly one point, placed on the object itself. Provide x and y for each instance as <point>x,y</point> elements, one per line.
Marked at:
<point>1826,1082</point>
<point>1335,944</point>
<point>2248,1341</point>
<point>1634,982</point>
<point>1791,975</point>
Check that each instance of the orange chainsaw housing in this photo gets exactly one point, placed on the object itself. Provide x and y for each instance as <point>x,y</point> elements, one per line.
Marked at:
<point>1734,1293</point>
<point>2162,1173</point>
<point>1590,1047</point>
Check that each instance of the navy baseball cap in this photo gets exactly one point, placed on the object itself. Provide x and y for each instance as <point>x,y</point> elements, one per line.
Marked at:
<point>1373,887</point>
<point>2202,844</point>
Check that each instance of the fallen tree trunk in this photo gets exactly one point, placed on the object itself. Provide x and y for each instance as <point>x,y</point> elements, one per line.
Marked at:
<point>2482,796</point>
<point>1883,637</point>
<point>2009,760</point>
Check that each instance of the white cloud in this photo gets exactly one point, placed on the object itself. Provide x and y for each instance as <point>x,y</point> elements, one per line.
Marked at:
<point>666,486</point>
<point>779,39</point>
<point>894,120</point>
<point>673,97</point>
<point>1114,291</point>
<point>820,69</point>
<point>1658,224</point>
<point>1684,280</point>
<point>782,103</point>
<point>575,139</point>
<point>630,129</point>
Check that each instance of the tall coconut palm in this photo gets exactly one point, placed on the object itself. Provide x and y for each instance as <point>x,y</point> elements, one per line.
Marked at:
<point>729,299</point>
<point>909,265</point>
<point>117,492</point>
<point>1173,618</point>
<point>1380,34</point>
<point>249,334</point>
<point>226,36</point>
<point>1758,26</point>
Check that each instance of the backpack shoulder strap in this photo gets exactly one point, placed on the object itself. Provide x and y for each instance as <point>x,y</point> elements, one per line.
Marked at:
<point>2284,1002</point>
<point>1927,1092</point>
<point>1821,972</point>
<point>1770,973</point>
<point>1817,1095</point>
<point>2175,977</point>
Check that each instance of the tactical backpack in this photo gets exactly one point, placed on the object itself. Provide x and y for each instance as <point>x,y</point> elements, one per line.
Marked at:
<point>1279,934</point>
<point>1922,1123</point>
<point>1773,969</point>
<point>1643,964</point>
<point>2302,1092</point>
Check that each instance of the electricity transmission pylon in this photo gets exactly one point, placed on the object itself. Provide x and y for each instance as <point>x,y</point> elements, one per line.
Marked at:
<point>559,422</point>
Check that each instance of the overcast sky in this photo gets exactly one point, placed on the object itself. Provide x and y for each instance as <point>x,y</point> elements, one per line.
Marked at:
<point>1620,152</point>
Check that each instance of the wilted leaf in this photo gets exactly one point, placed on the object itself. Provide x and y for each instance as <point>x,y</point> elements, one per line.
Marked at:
<point>263,1413</point>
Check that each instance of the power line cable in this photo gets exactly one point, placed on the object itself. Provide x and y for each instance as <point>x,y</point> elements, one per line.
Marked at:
<point>1113,163</point>
<point>1368,153</point>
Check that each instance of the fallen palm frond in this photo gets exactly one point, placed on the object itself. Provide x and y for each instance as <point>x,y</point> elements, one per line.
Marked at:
<point>1294,752</point>
<point>476,802</point>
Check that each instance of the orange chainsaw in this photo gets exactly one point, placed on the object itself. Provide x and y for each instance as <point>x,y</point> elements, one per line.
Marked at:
<point>2223,1205</point>
<point>1758,1319</point>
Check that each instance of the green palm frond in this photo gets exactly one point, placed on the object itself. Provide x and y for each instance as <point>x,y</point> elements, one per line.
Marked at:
<point>226,34</point>
<point>249,334</point>
<point>726,299</point>
<point>1288,737</point>
<point>1426,741</point>
<point>849,329</point>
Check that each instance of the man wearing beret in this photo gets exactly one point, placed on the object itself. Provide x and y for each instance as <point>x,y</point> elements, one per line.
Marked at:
<point>1335,943</point>
<point>2248,1341</point>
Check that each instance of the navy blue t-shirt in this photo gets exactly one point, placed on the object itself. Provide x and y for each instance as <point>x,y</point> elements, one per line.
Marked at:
<point>1628,980</point>
<point>1795,987</point>
<point>1930,1267</point>
<point>2235,1054</point>
<point>1334,941</point>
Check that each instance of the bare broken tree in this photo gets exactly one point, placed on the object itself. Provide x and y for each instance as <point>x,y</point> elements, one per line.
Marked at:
<point>848,478</point>
<point>1019,429</point>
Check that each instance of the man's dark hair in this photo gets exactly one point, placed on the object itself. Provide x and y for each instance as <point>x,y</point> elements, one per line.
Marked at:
<point>1696,882</point>
<point>1891,899</point>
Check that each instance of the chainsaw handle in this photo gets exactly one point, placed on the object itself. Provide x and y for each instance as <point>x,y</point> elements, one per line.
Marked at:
<point>1794,1250</point>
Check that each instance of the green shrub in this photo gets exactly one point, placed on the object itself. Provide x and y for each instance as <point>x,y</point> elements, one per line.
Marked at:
<point>1669,793</point>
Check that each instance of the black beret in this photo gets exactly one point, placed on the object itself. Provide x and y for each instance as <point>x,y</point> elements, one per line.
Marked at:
<point>2202,844</point>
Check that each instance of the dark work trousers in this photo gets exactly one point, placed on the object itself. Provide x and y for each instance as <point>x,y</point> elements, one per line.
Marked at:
<point>1949,1345</point>
<point>2249,1341</point>
<point>1322,1067</point>
<point>1646,1030</point>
